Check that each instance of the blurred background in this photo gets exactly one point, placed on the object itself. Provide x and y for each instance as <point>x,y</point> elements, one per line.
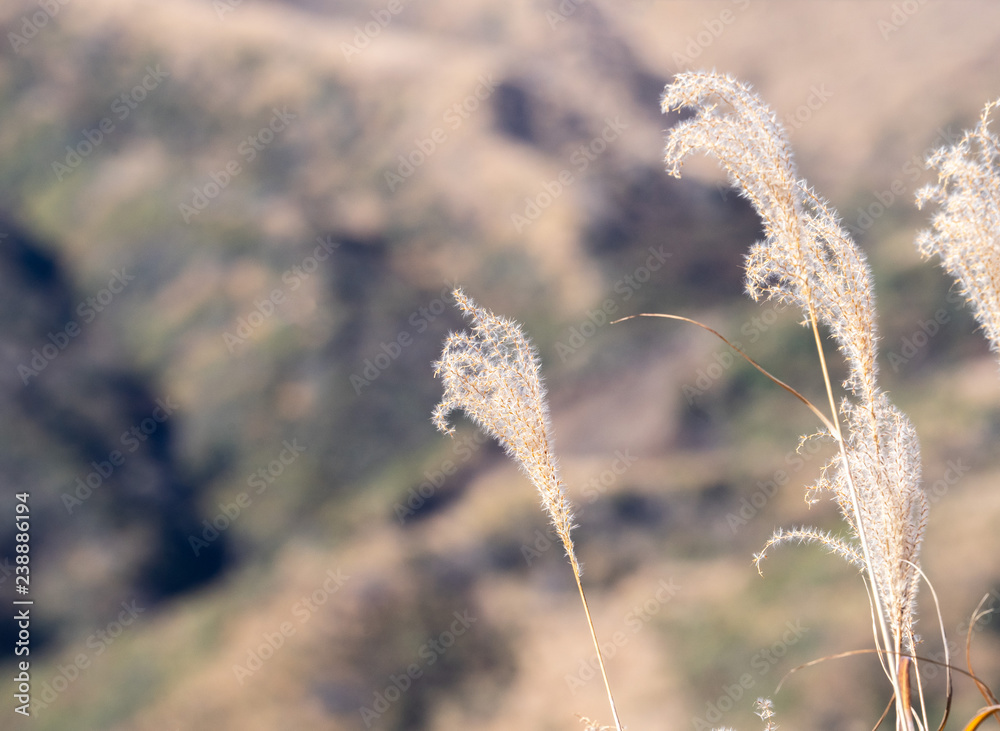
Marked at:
<point>228,230</point>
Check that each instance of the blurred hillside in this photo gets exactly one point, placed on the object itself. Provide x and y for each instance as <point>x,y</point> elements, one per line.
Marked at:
<point>227,233</point>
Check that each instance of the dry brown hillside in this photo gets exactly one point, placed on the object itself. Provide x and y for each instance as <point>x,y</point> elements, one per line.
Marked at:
<point>228,231</point>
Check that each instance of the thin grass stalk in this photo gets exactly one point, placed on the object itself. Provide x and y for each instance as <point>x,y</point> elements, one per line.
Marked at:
<point>901,693</point>
<point>808,259</point>
<point>597,648</point>
<point>492,374</point>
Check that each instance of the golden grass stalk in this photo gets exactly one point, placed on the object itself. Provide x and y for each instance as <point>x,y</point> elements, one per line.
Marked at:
<point>807,259</point>
<point>492,374</point>
<point>965,232</point>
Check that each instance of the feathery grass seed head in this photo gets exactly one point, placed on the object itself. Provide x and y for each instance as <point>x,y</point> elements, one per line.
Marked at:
<point>492,374</point>
<point>808,259</point>
<point>965,231</point>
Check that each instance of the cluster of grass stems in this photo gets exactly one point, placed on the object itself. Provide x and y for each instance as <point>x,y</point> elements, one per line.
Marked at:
<point>808,260</point>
